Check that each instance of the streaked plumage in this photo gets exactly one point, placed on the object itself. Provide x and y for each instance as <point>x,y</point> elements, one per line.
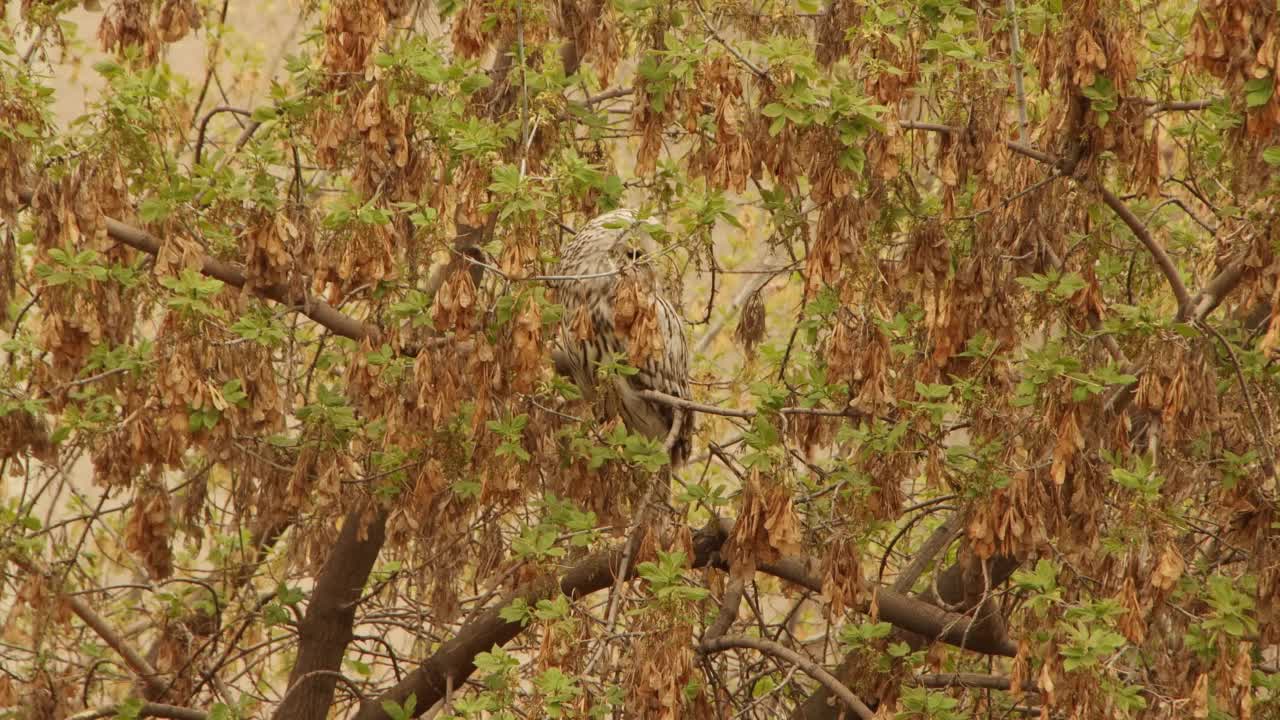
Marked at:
<point>610,244</point>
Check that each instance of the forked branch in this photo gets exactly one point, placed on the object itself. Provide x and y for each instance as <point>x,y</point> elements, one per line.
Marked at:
<point>454,662</point>
<point>1163,261</point>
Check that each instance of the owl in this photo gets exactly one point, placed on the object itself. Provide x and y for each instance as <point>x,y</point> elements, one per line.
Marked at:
<point>605,273</point>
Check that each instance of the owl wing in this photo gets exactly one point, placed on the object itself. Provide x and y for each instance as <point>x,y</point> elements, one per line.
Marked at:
<point>667,371</point>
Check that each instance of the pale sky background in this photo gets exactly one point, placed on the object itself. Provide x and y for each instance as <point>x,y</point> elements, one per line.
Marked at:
<point>263,31</point>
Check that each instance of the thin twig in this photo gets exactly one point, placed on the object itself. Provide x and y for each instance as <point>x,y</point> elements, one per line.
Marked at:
<point>204,125</point>
<point>1015,52</point>
<point>1018,147</point>
<point>732,50</point>
<point>1175,105</point>
<point>705,409</point>
<point>132,658</point>
<point>1268,459</point>
<point>348,682</point>
<point>214,54</point>
<point>36,42</point>
<point>609,95</point>
<point>1210,228</point>
<point>968,680</point>
<point>526,137</point>
<point>755,286</point>
<point>811,668</point>
<point>1014,197</point>
<point>628,554</point>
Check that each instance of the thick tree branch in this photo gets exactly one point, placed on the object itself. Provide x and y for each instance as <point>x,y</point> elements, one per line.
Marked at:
<point>938,541</point>
<point>325,632</point>
<point>928,621</point>
<point>307,304</point>
<point>1163,261</point>
<point>950,585</point>
<point>453,663</point>
<point>147,710</point>
<point>814,670</point>
<point>729,606</point>
<point>975,680</point>
<point>1217,289</point>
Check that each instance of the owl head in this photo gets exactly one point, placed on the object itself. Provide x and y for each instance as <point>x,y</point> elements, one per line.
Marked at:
<point>612,242</point>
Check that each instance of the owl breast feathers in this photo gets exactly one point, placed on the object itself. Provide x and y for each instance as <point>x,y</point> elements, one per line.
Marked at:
<point>606,281</point>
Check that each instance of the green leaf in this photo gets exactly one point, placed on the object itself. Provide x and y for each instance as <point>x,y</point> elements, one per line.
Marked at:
<point>1068,285</point>
<point>932,391</point>
<point>472,83</point>
<point>773,110</point>
<point>518,611</point>
<point>400,712</point>
<point>1271,156</point>
<point>222,711</point>
<point>60,434</point>
<point>1257,92</point>
<point>153,209</point>
<point>107,69</point>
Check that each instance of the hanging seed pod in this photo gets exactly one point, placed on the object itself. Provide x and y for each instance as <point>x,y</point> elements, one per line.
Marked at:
<point>751,324</point>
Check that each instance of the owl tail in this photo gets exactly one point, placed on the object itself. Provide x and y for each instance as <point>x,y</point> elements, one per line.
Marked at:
<point>679,442</point>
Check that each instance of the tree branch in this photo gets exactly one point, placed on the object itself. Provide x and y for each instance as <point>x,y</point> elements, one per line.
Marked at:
<point>453,663</point>
<point>133,659</point>
<point>1157,106</point>
<point>1266,454</point>
<point>969,680</point>
<point>326,630</point>
<point>706,22</point>
<point>36,43</point>
<point>1217,289</point>
<point>1015,61</point>
<point>147,710</point>
<point>679,402</point>
<point>1163,261</point>
<point>729,606</point>
<point>937,542</point>
<point>203,126</point>
<point>814,670</point>
<point>333,674</point>
<point>313,307</point>
<point>917,616</point>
